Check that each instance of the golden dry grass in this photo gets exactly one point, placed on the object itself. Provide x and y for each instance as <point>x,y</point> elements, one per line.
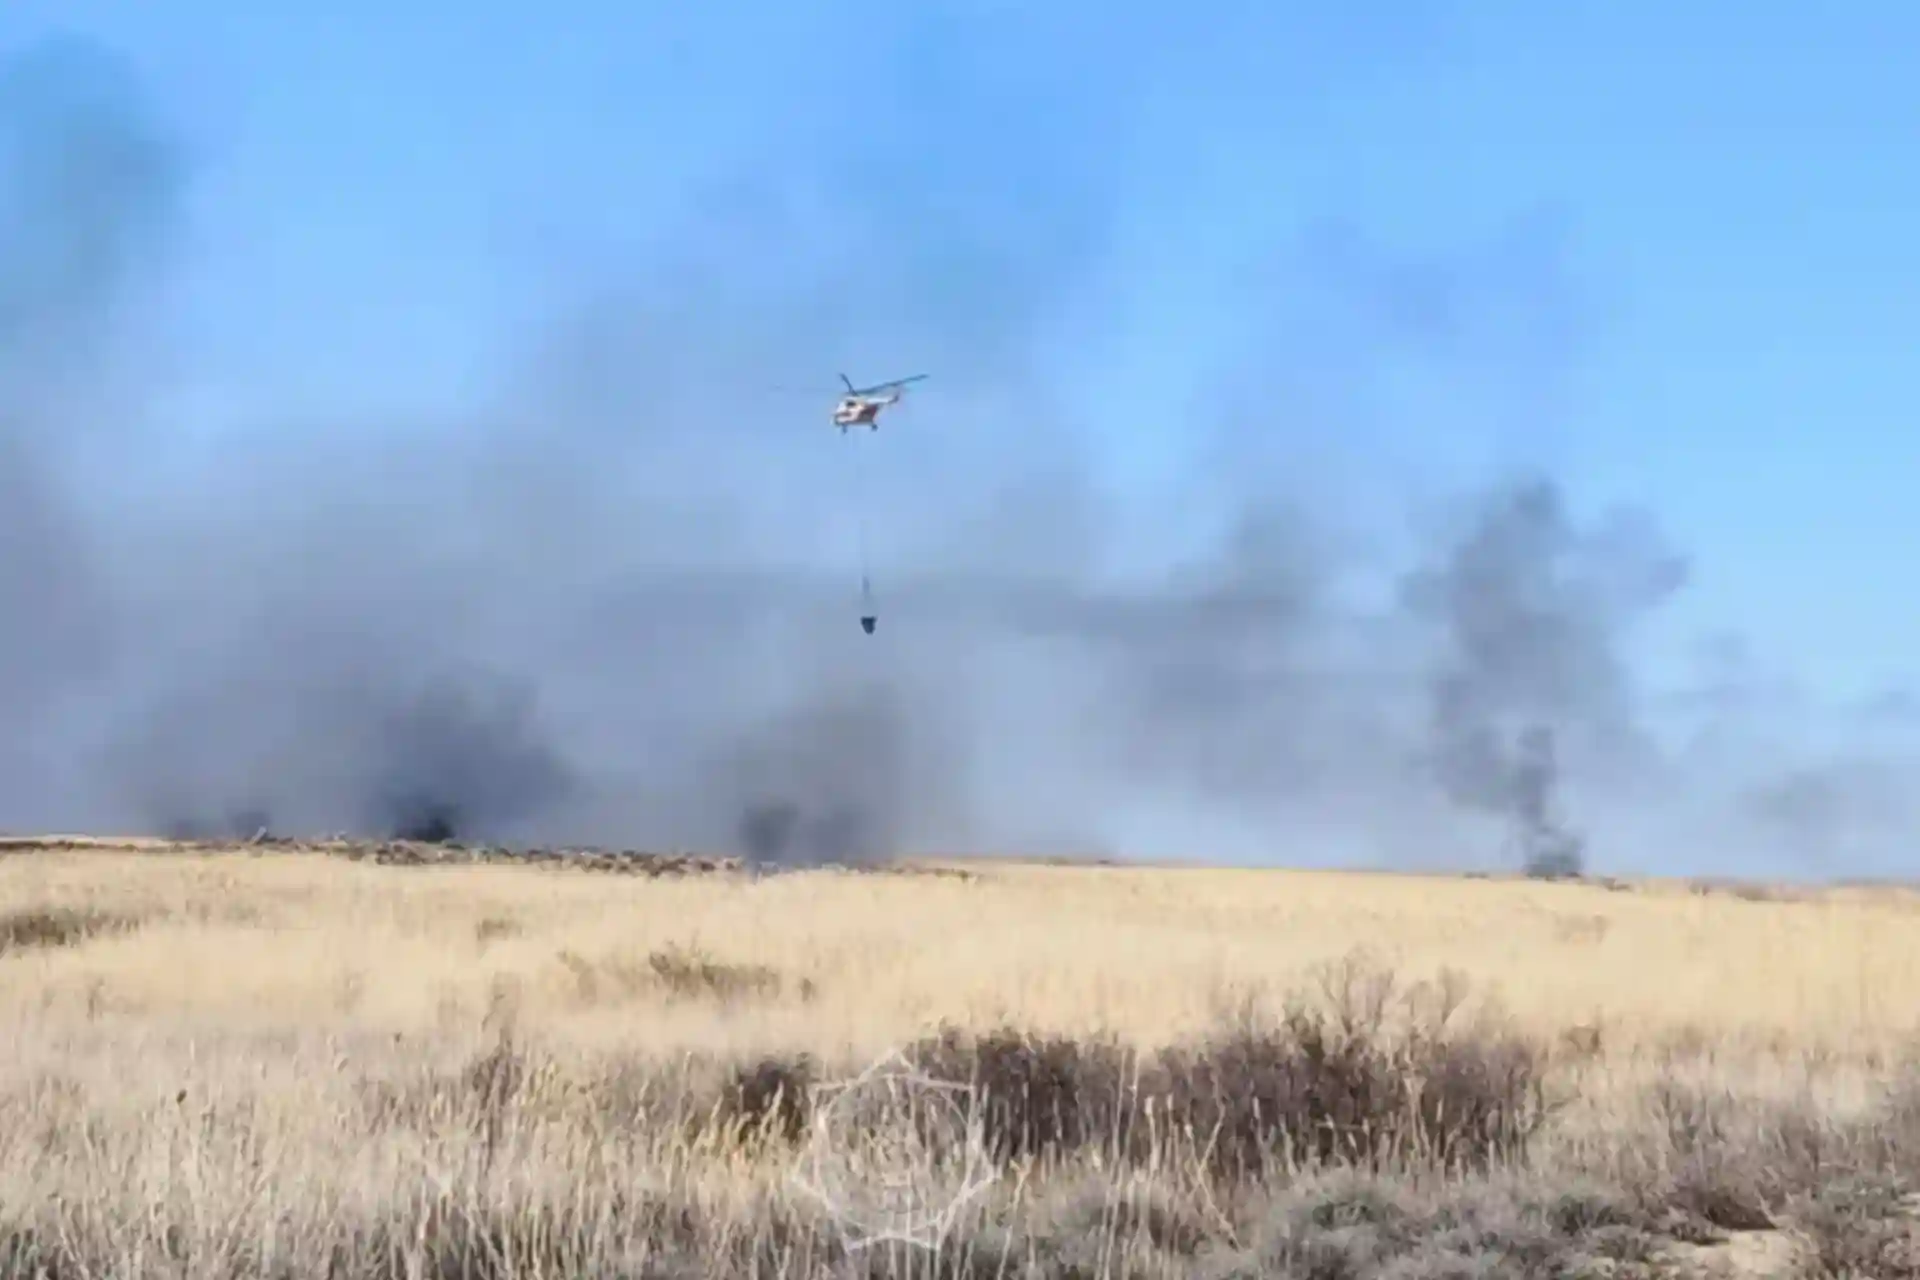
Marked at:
<point>308,943</point>
<point>244,1043</point>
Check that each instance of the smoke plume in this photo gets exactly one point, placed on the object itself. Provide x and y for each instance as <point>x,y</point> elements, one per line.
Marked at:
<point>617,603</point>
<point>1532,613</point>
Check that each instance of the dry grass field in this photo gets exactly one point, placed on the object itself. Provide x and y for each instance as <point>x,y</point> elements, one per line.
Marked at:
<point>289,1063</point>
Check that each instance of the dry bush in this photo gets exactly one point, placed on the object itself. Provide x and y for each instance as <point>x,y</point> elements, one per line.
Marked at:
<point>1323,1086</point>
<point>1862,1226</point>
<point>680,972</point>
<point>46,927</point>
<point>1358,1229</point>
<point>513,1164</point>
<point>689,972</point>
<point>491,929</point>
<point>1319,1087</point>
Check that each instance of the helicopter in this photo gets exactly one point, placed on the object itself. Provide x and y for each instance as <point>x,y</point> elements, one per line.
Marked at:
<point>861,406</point>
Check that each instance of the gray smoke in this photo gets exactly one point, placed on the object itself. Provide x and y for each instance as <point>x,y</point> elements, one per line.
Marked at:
<point>831,781</point>
<point>617,604</point>
<point>88,191</point>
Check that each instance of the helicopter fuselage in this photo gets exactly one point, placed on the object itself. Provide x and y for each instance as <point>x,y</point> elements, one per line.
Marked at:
<point>860,411</point>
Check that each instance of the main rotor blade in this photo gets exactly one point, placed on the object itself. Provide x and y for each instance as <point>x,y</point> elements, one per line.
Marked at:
<point>889,386</point>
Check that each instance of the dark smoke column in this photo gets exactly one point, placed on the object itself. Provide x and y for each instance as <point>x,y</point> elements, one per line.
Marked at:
<point>1530,613</point>
<point>459,761</point>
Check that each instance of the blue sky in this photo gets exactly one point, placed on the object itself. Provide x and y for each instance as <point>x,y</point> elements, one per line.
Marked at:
<point>1667,251</point>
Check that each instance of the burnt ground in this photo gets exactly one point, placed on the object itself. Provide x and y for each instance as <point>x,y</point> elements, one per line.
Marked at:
<point>394,852</point>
